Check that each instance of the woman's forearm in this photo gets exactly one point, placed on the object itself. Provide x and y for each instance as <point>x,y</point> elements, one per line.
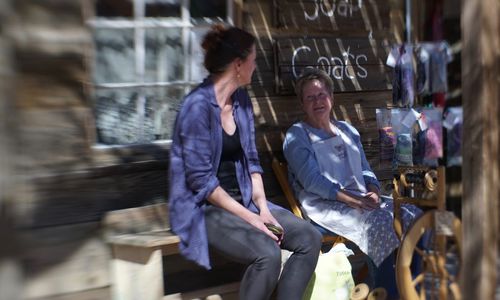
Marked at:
<point>219,197</point>
<point>258,194</point>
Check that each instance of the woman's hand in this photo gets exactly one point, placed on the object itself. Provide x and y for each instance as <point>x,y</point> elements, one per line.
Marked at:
<point>268,218</point>
<point>357,202</point>
<point>221,198</point>
<point>259,222</point>
<point>372,197</point>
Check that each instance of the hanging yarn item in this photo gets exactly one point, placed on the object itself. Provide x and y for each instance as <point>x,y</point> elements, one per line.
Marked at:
<point>404,151</point>
<point>403,80</point>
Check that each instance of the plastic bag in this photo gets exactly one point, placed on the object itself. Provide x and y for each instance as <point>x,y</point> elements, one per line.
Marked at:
<point>402,123</point>
<point>433,136</point>
<point>453,123</point>
<point>428,147</point>
<point>386,136</point>
<point>332,278</point>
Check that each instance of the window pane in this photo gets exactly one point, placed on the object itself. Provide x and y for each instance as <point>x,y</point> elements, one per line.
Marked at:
<point>115,56</point>
<point>208,8</point>
<point>114,8</point>
<point>164,55</point>
<point>162,105</point>
<point>119,122</point>
<point>117,119</point>
<point>163,8</point>
<point>198,71</point>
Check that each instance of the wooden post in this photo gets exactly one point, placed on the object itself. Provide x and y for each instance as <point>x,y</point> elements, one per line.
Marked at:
<point>11,282</point>
<point>137,273</point>
<point>481,101</point>
<point>6,109</point>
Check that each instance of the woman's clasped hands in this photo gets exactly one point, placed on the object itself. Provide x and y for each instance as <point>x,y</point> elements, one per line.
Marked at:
<point>369,201</point>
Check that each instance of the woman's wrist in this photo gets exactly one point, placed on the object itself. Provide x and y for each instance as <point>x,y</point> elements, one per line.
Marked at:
<point>374,189</point>
<point>262,206</point>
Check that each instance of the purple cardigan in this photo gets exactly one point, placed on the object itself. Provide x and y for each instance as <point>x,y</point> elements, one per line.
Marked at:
<point>194,159</point>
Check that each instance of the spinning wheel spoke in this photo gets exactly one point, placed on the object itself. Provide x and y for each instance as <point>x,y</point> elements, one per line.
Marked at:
<point>422,293</point>
<point>455,291</point>
<point>418,279</point>
<point>420,252</point>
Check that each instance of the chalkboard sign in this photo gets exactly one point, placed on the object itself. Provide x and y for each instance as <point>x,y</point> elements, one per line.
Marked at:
<point>353,64</point>
<point>335,15</point>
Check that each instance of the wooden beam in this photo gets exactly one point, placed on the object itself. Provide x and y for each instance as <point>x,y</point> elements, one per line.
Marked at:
<point>11,269</point>
<point>481,98</point>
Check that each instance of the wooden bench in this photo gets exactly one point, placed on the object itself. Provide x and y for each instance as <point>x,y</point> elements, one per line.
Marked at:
<point>139,238</point>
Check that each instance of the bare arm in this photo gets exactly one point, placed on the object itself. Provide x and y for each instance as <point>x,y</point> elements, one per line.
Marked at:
<point>219,197</point>
<point>260,200</point>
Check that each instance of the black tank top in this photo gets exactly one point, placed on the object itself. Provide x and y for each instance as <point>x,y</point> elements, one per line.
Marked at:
<point>226,173</point>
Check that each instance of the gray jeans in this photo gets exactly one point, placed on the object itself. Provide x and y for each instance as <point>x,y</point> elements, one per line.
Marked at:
<point>239,241</point>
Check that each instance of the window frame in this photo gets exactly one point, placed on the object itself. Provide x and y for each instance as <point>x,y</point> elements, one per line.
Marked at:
<point>139,23</point>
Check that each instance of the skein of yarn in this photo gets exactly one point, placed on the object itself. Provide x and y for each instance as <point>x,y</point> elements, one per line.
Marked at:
<point>377,294</point>
<point>360,292</point>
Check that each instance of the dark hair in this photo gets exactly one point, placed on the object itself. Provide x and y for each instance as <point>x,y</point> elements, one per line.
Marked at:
<point>223,45</point>
<point>310,74</point>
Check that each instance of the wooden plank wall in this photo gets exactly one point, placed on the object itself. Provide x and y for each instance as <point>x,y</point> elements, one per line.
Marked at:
<point>293,34</point>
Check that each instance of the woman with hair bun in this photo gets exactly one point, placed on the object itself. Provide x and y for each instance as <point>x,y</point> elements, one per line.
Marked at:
<point>217,196</point>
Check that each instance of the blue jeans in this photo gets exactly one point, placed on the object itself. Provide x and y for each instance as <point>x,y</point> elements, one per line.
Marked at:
<point>239,241</point>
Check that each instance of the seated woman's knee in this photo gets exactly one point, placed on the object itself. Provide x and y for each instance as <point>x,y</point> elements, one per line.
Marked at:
<point>310,238</point>
<point>314,237</point>
<point>269,258</point>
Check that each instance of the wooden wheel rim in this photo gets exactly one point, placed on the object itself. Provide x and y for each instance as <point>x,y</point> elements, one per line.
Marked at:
<point>404,278</point>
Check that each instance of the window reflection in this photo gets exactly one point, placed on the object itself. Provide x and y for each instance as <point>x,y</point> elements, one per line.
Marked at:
<point>164,55</point>
<point>115,56</point>
<point>119,122</point>
<point>117,119</point>
<point>162,105</point>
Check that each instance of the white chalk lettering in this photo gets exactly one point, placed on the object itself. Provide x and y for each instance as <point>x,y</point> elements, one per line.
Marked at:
<point>338,69</point>
<point>343,8</point>
<point>365,72</point>
<point>314,16</point>
<point>347,57</point>
<point>349,66</point>
<point>324,64</point>
<point>326,9</point>
<point>295,53</point>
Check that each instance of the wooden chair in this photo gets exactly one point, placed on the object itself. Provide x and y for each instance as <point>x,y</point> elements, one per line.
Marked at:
<point>281,171</point>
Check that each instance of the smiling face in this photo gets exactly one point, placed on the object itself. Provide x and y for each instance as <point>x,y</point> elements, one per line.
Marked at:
<point>316,102</point>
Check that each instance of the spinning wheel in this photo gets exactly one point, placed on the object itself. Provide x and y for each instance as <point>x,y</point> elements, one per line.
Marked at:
<point>434,239</point>
<point>436,280</point>
<point>421,186</point>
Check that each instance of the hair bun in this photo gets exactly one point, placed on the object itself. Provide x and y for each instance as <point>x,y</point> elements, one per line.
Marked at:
<point>214,37</point>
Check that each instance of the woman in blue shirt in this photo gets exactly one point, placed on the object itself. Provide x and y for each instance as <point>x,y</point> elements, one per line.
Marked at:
<point>331,176</point>
<point>217,195</point>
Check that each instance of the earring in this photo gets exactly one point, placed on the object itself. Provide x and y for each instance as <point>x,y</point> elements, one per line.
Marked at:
<point>238,75</point>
